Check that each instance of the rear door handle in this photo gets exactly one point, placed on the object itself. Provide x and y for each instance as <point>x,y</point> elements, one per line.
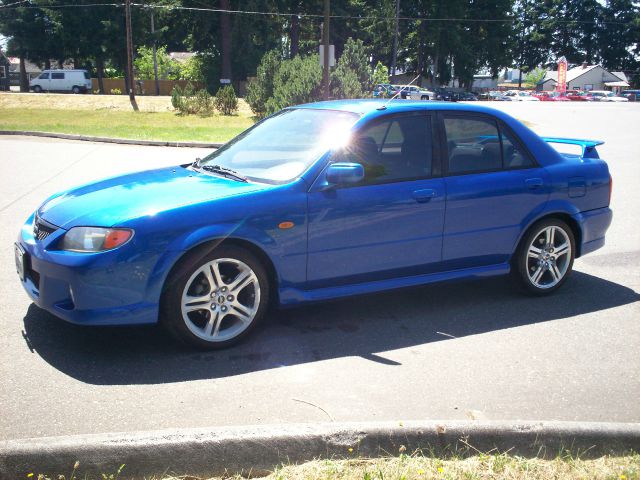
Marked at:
<point>422,196</point>
<point>533,183</point>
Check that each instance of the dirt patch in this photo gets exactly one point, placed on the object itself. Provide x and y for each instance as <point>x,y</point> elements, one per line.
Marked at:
<point>64,101</point>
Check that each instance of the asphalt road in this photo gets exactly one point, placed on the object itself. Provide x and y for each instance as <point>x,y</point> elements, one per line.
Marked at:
<point>476,350</point>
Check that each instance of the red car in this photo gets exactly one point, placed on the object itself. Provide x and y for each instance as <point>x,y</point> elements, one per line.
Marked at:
<point>578,96</point>
<point>551,97</point>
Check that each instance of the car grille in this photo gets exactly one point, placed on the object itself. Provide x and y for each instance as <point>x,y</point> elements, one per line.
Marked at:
<point>42,229</point>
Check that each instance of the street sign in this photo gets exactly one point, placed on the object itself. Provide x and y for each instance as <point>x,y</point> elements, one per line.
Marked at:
<point>332,56</point>
<point>561,85</point>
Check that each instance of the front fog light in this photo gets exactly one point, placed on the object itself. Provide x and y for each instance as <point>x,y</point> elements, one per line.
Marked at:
<point>95,239</point>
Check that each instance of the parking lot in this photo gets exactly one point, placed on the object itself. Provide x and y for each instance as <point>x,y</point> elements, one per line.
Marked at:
<point>476,350</point>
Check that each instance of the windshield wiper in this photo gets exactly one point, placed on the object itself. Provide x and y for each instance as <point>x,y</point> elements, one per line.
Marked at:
<point>225,172</point>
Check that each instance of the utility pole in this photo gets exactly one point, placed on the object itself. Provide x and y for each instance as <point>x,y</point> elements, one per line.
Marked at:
<point>325,41</point>
<point>155,54</point>
<point>394,61</point>
<point>132,97</point>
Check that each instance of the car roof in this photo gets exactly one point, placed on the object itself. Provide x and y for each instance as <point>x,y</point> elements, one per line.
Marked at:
<point>367,106</point>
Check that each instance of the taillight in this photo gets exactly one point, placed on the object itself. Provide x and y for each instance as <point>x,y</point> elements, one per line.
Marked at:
<point>610,188</point>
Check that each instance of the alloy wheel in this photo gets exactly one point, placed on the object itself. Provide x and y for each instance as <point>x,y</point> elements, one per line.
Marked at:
<point>548,257</point>
<point>220,300</point>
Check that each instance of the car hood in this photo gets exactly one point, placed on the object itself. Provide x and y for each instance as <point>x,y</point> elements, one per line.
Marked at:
<point>109,202</point>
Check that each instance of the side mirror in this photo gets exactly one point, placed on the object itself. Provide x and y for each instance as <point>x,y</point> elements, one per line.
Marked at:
<point>344,173</point>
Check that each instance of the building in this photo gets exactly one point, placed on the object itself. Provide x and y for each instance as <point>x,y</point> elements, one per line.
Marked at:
<point>31,68</point>
<point>4,71</point>
<point>585,77</point>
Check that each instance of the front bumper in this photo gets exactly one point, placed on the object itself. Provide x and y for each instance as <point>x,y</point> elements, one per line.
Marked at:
<point>107,288</point>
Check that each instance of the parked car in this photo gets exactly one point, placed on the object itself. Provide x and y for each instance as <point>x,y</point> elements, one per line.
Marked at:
<point>319,201</point>
<point>521,96</point>
<point>413,92</point>
<point>578,96</point>
<point>606,96</point>
<point>75,81</point>
<point>631,95</point>
<point>551,97</point>
<point>445,95</point>
<point>483,96</point>
<point>468,97</point>
<point>498,96</point>
<point>384,90</point>
<point>419,93</point>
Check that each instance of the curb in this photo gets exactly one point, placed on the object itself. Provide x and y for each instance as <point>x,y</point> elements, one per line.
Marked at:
<point>257,449</point>
<point>122,141</point>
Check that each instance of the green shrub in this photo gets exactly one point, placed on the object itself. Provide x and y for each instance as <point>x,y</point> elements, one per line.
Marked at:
<point>226,101</point>
<point>116,91</point>
<point>188,101</point>
<point>352,76</point>
<point>298,80</point>
<point>260,89</point>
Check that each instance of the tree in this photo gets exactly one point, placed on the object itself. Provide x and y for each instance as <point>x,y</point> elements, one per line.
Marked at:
<point>352,76</point>
<point>534,76</point>
<point>167,68</point>
<point>260,89</point>
<point>620,38</point>
<point>380,74</point>
<point>296,81</point>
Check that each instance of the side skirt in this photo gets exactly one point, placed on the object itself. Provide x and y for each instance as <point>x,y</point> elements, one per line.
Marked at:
<point>294,296</point>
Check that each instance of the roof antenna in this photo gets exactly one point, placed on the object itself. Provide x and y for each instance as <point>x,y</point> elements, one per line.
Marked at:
<point>384,107</point>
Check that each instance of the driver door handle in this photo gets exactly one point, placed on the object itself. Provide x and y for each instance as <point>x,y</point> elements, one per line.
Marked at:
<point>422,196</point>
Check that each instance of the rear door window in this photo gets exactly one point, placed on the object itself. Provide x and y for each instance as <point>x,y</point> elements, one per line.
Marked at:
<point>473,145</point>
<point>476,144</point>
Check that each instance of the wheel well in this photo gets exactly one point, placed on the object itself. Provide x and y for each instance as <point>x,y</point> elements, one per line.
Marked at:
<point>569,220</point>
<point>257,251</point>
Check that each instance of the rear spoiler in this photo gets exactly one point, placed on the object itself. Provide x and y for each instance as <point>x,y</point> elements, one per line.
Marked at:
<point>588,146</point>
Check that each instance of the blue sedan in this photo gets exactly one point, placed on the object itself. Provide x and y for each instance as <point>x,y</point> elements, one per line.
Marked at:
<point>317,202</point>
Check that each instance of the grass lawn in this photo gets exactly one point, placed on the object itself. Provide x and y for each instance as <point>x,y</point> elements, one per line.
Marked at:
<point>421,467</point>
<point>111,116</point>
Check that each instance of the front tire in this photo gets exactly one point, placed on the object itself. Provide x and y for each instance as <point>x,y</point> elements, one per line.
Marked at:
<point>545,256</point>
<point>37,89</point>
<point>214,300</point>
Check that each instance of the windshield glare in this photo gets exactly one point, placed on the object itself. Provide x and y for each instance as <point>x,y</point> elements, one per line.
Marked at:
<point>282,147</point>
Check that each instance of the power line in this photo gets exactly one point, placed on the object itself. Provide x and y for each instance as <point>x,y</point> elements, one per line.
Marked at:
<point>304,15</point>
<point>12,4</point>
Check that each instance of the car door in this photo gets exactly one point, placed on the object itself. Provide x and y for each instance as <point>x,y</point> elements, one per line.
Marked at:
<point>494,186</point>
<point>57,81</point>
<point>390,224</point>
<point>44,81</point>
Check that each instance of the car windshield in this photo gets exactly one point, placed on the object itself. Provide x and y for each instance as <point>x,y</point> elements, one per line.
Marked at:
<point>280,148</point>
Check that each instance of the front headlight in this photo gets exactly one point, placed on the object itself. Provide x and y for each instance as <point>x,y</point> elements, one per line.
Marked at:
<point>94,239</point>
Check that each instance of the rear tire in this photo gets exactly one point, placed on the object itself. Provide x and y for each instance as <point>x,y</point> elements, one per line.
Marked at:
<point>76,90</point>
<point>544,258</point>
<point>213,300</point>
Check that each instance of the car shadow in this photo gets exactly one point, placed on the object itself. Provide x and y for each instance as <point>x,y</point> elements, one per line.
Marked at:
<point>361,327</point>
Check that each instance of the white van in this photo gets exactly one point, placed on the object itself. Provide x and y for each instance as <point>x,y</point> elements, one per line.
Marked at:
<point>76,81</point>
